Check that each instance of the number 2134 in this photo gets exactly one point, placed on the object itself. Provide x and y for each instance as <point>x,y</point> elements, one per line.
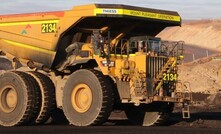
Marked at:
<point>169,77</point>
<point>48,27</point>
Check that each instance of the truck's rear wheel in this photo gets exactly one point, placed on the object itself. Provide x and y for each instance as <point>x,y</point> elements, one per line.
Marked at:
<point>47,96</point>
<point>152,114</point>
<point>87,98</point>
<point>18,99</point>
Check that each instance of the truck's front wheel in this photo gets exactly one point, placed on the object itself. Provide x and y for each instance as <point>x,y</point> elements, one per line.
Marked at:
<point>87,98</point>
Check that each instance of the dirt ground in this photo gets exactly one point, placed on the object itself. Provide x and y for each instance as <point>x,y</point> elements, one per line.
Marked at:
<point>205,112</point>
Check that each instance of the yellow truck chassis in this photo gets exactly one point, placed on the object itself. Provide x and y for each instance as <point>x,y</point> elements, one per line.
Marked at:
<point>87,62</point>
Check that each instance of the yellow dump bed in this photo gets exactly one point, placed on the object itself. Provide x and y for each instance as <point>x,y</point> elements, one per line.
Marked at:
<point>42,37</point>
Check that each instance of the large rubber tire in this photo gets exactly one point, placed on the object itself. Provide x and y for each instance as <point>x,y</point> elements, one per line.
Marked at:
<point>149,115</point>
<point>19,99</point>
<point>93,83</point>
<point>47,90</point>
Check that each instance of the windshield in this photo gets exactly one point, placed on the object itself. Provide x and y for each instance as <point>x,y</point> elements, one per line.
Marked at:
<point>154,45</point>
<point>145,44</point>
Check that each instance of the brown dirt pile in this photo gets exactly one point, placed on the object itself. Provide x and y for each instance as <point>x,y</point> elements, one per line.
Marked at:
<point>203,33</point>
<point>204,75</point>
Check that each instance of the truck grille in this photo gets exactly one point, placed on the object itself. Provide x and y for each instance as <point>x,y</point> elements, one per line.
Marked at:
<point>154,65</point>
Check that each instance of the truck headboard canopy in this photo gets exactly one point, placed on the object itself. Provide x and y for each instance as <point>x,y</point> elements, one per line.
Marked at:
<point>138,20</point>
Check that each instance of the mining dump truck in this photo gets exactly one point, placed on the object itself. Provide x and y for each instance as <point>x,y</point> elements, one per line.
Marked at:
<point>87,62</point>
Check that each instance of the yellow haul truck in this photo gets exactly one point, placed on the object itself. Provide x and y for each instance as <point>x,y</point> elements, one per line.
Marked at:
<point>88,61</point>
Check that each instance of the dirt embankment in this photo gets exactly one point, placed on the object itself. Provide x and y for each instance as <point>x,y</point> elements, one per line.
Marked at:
<point>204,74</point>
<point>203,33</point>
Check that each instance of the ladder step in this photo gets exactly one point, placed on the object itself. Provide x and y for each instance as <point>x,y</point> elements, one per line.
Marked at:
<point>186,111</point>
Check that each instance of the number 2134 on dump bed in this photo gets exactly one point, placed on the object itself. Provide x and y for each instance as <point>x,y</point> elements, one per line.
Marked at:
<point>48,27</point>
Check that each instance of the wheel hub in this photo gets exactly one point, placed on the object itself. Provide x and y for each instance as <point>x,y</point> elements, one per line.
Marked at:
<point>81,98</point>
<point>8,99</point>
